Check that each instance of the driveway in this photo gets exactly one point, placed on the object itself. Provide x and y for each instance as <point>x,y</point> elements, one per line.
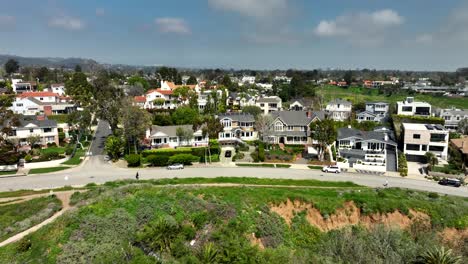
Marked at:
<point>414,169</point>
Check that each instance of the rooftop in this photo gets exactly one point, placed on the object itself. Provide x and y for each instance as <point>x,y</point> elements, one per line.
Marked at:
<point>461,144</point>
<point>424,127</point>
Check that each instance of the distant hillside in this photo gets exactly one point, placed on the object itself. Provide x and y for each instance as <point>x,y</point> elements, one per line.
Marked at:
<point>67,63</point>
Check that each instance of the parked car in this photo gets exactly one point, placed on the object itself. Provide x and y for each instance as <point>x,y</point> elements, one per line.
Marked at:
<point>228,154</point>
<point>332,169</point>
<point>450,182</point>
<point>175,167</point>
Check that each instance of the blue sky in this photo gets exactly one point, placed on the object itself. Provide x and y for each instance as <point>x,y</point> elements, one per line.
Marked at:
<point>257,34</point>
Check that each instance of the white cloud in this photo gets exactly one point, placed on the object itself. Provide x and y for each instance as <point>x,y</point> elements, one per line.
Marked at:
<point>172,25</point>
<point>260,9</point>
<point>100,12</point>
<point>364,28</point>
<point>425,38</point>
<point>66,22</point>
<point>7,21</point>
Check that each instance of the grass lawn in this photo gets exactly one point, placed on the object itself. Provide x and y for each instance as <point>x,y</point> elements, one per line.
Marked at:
<point>357,94</point>
<point>76,160</point>
<point>31,192</point>
<point>315,167</point>
<point>16,218</point>
<point>7,172</point>
<point>46,170</point>
<point>115,221</point>
<point>60,150</point>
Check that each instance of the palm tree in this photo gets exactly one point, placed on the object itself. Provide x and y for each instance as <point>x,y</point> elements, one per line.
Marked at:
<point>431,159</point>
<point>439,256</point>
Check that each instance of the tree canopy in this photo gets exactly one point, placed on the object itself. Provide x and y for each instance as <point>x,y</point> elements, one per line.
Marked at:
<point>325,134</point>
<point>11,66</point>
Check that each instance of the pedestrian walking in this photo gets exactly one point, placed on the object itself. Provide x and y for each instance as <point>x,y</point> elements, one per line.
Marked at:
<point>137,176</point>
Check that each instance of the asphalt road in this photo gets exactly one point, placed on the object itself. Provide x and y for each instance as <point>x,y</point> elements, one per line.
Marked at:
<point>102,132</point>
<point>98,171</point>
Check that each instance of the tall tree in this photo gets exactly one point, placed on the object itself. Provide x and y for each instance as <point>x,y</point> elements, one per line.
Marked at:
<point>108,100</point>
<point>140,81</point>
<point>78,68</point>
<point>262,125</point>
<point>325,134</point>
<point>184,135</point>
<point>191,80</point>
<point>80,89</point>
<point>114,147</point>
<point>185,115</point>
<point>348,77</point>
<point>11,66</point>
<point>253,110</point>
<point>135,122</point>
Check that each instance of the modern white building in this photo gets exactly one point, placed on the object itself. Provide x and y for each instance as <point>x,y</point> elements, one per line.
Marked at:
<point>410,107</point>
<point>339,109</point>
<point>375,111</point>
<point>421,138</point>
<point>19,86</point>
<point>270,104</point>
<point>247,80</point>
<point>58,88</point>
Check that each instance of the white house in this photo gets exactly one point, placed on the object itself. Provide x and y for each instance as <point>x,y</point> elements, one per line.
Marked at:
<point>270,104</point>
<point>367,150</point>
<point>375,111</point>
<point>160,99</point>
<point>168,137</point>
<point>292,127</point>
<point>453,117</point>
<point>238,127</point>
<point>58,88</point>
<point>20,87</point>
<point>421,138</point>
<point>247,80</point>
<point>339,110</point>
<point>39,126</point>
<point>32,103</point>
<point>412,108</point>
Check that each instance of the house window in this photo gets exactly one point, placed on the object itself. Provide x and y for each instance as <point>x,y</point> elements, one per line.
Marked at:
<point>19,105</point>
<point>458,118</point>
<point>436,148</point>
<point>279,126</point>
<point>41,98</point>
<point>31,130</point>
<point>290,128</point>
<point>447,117</point>
<point>412,147</point>
<point>369,118</point>
<point>50,139</point>
<point>173,139</point>
<point>416,136</point>
<point>407,109</point>
<point>226,122</point>
<point>424,147</point>
<point>47,130</point>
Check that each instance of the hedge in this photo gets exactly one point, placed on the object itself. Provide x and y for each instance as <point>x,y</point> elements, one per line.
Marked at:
<point>418,119</point>
<point>402,164</point>
<point>261,152</point>
<point>185,159</point>
<point>157,160</point>
<point>199,152</point>
<point>214,158</point>
<point>133,160</point>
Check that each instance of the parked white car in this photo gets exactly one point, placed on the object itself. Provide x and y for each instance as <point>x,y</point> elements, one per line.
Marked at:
<point>331,169</point>
<point>175,167</point>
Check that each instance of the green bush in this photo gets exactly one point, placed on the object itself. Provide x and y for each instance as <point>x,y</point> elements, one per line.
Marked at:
<point>185,159</point>
<point>402,164</point>
<point>254,156</point>
<point>133,160</point>
<point>157,160</point>
<point>28,158</point>
<point>261,152</point>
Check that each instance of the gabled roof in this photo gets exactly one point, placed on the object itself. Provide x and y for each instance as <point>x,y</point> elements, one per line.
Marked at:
<point>366,113</point>
<point>26,121</point>
<point>344,133</point>
<point>139,99</point>
<point>340,101</point>
<point>170,131</point>
<point>159,90</point>
<point>240,117</point>
<point>461,144</point>
<point>292,118</point>
<point>37,94</point>
<point>272,99</point>
<point>57,85</point>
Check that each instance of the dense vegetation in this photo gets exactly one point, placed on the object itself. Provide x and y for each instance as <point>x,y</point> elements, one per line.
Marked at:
<point>144,222</point>
<point>15,218</point>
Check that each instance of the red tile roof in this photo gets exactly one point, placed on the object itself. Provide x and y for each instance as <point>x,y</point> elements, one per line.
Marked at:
<point>165,92</point>
<point>37,94</point>
<point>139,99</point>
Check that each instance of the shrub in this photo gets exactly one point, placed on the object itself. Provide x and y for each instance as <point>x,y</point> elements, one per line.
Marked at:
<point>69,150</point>
<point>254,156</point>
<point>133,160</point>
<point>433,195</point>
<point>402,164</point>
<point>185,159</point>
<point>28,158</point>
<point>23,245</point>
<point>157,160</point>
<point>261,152</point>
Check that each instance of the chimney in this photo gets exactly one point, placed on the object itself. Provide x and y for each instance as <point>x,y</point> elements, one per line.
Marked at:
<point>385,136</point>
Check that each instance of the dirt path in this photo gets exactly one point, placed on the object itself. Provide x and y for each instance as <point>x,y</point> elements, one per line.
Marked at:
<point>64,197</point>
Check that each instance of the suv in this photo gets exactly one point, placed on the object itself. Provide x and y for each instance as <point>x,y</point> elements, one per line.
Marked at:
<point>332,169</point>
<point>175,167</point>
<point>450,182</point>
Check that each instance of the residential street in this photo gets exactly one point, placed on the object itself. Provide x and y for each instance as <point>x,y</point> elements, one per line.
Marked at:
<point>96,170</point>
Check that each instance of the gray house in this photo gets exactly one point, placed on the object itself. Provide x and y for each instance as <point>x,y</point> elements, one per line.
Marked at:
<point>453,116</point>
<point>292,127</point>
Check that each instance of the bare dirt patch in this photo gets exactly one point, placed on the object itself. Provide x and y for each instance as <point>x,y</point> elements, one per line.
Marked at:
<point>349,214</point>
<point>454,238</point>
<point>254,241</point>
